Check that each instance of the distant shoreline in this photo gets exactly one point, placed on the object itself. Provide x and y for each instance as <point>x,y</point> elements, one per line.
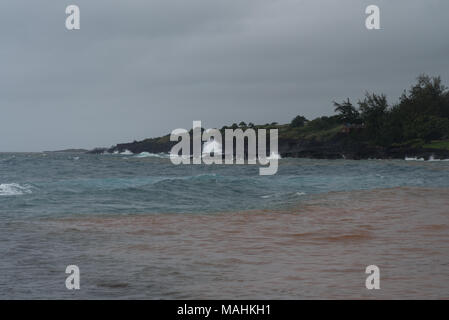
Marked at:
<point>339,148</point>
<point>415,126</point>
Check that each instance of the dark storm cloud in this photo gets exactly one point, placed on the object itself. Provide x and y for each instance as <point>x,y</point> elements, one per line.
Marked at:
<point>142,68</point>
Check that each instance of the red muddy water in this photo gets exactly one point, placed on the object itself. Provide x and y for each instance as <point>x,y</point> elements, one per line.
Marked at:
<point>318,249</point>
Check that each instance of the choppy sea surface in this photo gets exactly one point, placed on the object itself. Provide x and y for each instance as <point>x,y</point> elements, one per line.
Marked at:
<point>139,227</point>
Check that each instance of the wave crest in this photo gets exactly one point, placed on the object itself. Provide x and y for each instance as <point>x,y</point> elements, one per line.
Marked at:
<point>151,155</point>
<point>14,189</point>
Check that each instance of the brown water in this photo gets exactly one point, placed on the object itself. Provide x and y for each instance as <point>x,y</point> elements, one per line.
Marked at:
<point>319,249</point>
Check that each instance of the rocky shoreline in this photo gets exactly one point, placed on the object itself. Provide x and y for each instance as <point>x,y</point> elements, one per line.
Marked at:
<point>341,146</point>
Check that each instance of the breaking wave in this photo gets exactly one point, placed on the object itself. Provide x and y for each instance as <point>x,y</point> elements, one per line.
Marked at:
<point>274,156</point>
<point>14,189</point>
<point>151,155</point>
<point>413,159</point>
<point>431,159</point>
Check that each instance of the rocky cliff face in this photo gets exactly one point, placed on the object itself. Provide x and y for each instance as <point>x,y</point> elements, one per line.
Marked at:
<point>144,146</point>
<point>343,147</point>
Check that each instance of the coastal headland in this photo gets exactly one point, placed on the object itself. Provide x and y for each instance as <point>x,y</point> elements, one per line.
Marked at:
<point>416,126</point>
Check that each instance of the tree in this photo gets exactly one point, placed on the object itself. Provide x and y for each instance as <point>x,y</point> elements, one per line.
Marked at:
<point>434,128</point>
<point>242,124</point>
<point>422,109</point>
<point>251,125</point>
<point>427,97</point>
<point>427,128</point>
<point>347,112</point>
<point>298,121</point>
<point>373,113</point>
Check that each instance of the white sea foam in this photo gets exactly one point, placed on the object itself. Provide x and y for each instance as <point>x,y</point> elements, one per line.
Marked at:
<point>151,155</point>
<point>274,156</point>
<point>436,160</point>
<point>431,159</point>
<point>413,159</point>
<point>212,146</point>
<point>276,195</point>
<point>127,152</point>
<point>145,155</point>
<point>14,189</point>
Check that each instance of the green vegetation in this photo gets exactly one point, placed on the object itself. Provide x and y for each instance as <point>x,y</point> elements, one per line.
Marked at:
<point>347,113</point>
<point>421,113</point>
<point>438,144</point>
<point>420,119</point>
<point>298,121</point>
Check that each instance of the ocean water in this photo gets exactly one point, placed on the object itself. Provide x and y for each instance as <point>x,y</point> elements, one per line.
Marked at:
<point>140,227</point>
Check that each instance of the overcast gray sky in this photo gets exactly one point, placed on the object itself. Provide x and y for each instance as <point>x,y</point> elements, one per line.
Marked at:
<point>141,68</point>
